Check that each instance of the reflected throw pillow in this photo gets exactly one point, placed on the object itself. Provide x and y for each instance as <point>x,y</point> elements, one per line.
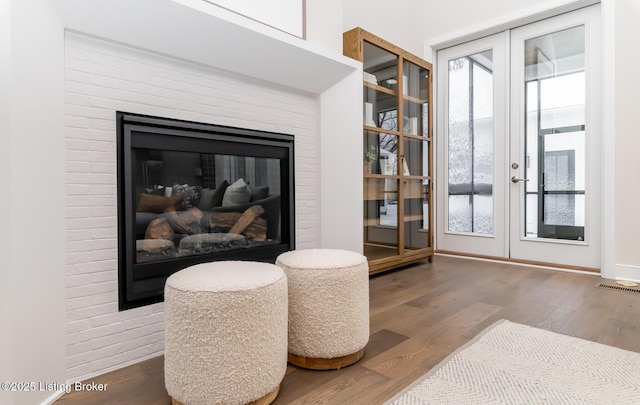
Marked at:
<point>218,194</point>
<point>259,193</point>
<point>157,203</point>
<point>190,195</point>
<point>205,199</point>
<point>236,194</point>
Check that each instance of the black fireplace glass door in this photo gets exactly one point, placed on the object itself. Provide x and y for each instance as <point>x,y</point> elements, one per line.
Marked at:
<point>191,193</point>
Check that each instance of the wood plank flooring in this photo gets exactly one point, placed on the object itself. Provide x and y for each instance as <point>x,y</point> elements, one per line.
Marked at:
<point>419,315</point>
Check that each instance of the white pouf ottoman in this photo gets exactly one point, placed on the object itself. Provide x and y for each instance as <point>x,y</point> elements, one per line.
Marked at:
<point>225,333</point>
<point>328,307</point>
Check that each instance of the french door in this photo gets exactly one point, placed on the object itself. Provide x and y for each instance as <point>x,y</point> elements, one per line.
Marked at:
<point>519,143</point>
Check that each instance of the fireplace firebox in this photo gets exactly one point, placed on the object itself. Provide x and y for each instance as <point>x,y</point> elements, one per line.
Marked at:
<point>190,193</point>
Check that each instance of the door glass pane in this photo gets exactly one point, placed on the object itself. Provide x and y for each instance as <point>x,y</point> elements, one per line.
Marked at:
<point>470,146</point>
<point>531,202</point>
<point>562,101</point>
<point>483,213</point>
<point>465,211</point>
<point>555,135</point>
<point>460,216</point>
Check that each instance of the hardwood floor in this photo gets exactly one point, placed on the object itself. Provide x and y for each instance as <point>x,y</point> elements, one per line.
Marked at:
<point>419,315</point>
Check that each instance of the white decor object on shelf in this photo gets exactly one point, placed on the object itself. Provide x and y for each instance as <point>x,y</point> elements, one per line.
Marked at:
<point>368,77</point>
<point>368,115</point>
<point>405,167</point>
<point>413,125</point>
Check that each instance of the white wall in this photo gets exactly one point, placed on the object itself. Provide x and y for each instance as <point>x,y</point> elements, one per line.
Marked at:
<point>340,143</point>
<point>34,216</point>
<point>6,317</point>
<point>341,187</point>
<point>324,23</point>
<point>627,138</point>
<point>395,21</point>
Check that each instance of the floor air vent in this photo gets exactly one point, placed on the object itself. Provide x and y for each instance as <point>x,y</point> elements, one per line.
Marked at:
<point>618,288</point>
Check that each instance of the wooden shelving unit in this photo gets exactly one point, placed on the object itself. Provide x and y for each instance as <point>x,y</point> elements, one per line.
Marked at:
<point>397,151</point>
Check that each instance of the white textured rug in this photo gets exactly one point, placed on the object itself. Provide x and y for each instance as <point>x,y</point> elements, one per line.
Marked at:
<point>509,363</point>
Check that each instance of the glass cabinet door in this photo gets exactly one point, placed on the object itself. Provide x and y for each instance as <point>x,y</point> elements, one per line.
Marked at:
<point>380,218</point>
<point>380,154</point>
<point>416,217</point>
<point>416,193</point>
<point>415,93</point>
<point>380,88</point>
<point>381,142</point>
<point>415,156</point>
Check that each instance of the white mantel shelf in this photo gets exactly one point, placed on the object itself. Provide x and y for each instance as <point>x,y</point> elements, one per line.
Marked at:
<point>197,31</point>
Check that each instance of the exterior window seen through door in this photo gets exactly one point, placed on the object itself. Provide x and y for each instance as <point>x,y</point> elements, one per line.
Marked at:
<point>470,144</point>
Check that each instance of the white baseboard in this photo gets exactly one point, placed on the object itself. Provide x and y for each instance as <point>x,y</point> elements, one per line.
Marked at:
<point>537,266</point>
<point>627,273</point>
<point>53,397</point>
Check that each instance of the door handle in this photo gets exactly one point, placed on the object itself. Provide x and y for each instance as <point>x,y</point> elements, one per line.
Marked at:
<point>516,179</point>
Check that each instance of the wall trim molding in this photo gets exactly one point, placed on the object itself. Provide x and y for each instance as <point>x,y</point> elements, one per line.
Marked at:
<point>608,254</point>
<point>51,399</point>
<point>505,22</point>
<point>522,263</point>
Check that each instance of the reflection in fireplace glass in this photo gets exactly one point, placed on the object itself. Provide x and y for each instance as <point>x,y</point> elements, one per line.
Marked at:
<point>190,203</point>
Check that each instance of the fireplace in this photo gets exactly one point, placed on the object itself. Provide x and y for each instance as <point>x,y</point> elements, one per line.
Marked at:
<point>191,192</point>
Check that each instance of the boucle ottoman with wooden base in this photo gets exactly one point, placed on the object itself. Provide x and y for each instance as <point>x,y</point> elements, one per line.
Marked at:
<point>328,307</point>
<point>226,333</point>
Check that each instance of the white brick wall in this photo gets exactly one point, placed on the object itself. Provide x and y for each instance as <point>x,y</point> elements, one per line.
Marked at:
<point>101,78</point>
